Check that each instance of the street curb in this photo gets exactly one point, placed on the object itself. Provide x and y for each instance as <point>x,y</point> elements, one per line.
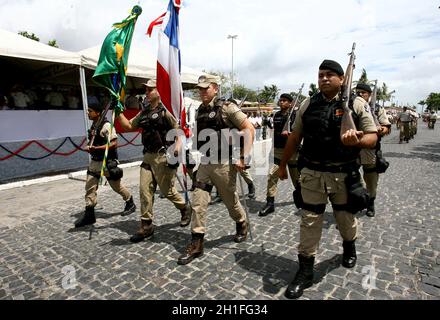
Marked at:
<point>24,183</point>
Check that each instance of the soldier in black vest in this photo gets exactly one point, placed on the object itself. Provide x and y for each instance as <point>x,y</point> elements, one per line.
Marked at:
<point>156,121</point>
<point>330,169</point>
<point>112,172</point>
<point>281,133</point>
<point>214,122</point>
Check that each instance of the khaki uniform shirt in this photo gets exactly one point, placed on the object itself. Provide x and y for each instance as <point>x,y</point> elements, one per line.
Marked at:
<point>405,116</point>
<point>368,156</point>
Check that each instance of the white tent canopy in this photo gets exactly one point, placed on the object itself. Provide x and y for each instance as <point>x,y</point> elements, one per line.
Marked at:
<point>17,46</point>
<point>141,64</point>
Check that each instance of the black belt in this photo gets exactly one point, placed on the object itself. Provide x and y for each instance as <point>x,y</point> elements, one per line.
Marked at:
<point>333,169</point>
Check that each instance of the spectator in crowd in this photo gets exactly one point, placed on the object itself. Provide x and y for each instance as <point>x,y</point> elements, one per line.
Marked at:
<point>3,102</point>
<point>73,100</point>
<point>131,101</point>
<point>20,99</point>
<point>55,99</point>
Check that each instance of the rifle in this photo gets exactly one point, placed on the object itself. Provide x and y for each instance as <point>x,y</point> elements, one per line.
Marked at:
<point>289,120</point>
<point>347,122</point>
<point>373,100</point>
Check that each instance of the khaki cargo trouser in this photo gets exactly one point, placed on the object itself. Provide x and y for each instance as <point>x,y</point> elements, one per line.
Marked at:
<point>224,178</point>
<point>92,184</point>
<point>154,172</point>
<point>370,179</point>
<point>272,178</point>
<point>247,177</point>
<point>404,130</point>
<point>316,188</point>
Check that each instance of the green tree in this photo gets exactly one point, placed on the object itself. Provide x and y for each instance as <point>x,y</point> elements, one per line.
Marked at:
<point>240,92</point>
<point>383,94</point>
<point>364,77</point>
<point>433,101</point>
<point>313,89</point>
<point>53,43</point>
<point>31,36</point>
<point>269,93</point>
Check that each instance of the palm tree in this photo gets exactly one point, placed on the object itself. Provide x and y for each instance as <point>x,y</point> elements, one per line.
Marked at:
<point>363,78</point>
<point>313,89</point>
<point>383,94</point>
<point>269,93</point>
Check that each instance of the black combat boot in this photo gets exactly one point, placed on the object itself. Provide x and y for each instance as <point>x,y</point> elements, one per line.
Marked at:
<point>193,250</point>
<point>349,255</point>
<point>242,231</point>
<point>186,215</point>
<point>145,232</point>
<point>303,278</point>
<point>269,208</point>
<point>87,219</point>
<point>130,207</point>
<point>251,189</point>
<point>370,209</point>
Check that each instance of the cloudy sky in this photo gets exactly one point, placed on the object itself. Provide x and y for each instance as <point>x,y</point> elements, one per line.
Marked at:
<point>279,42</point>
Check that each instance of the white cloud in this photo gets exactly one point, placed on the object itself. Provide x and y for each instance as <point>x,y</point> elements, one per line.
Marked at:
<point>279,42</point>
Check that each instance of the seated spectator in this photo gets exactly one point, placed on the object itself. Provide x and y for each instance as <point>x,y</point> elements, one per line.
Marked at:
<point>55,99</point>
<point>4,102</point>
<point>33,96</point>
<point>132,102</point>
<point>21,100</point>
<point>73,100</point>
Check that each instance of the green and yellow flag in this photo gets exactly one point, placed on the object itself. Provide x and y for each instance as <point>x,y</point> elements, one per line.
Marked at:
<point>113,60</point>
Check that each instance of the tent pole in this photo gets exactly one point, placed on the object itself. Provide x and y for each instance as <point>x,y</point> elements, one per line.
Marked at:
<point>82,81</point>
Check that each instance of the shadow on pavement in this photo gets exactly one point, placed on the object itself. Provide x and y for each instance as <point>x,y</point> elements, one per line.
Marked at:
<point>277,272</point>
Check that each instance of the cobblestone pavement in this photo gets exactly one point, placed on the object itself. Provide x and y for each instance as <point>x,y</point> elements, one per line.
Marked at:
<point>43,257</point>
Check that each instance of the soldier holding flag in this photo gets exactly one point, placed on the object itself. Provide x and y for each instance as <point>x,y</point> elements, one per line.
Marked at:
<point>110,73</point>
<point>156,121</point>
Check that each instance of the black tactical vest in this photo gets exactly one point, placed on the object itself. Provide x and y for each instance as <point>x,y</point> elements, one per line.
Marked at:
<point>279,121</point>
<point>98,155</point>
<point>321,132</point>
<point>211,118</point>
<point>155,128</point>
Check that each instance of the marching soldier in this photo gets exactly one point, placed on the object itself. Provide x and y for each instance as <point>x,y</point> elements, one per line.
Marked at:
<point>330,170</point>
<point>156,121</point>
<point>112,172</point>
<point>280,136</point>
<point>215,119</point>
<point>369,157</point>
<point>404,120</point>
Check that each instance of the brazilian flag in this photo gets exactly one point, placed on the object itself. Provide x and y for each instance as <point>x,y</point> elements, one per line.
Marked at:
<point>112,66</point>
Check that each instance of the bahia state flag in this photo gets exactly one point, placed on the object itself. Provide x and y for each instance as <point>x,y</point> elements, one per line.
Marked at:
<point>113,60</point>
<point>168,79</point>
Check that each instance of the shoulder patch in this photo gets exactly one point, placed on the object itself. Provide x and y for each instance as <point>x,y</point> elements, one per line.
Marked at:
<point>367,108</point>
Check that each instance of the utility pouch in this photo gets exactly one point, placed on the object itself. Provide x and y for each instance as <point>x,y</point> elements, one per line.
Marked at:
<point>114,172</point>
<point>357,196</point>
<point>297,197</point>
<point>381,164</point>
